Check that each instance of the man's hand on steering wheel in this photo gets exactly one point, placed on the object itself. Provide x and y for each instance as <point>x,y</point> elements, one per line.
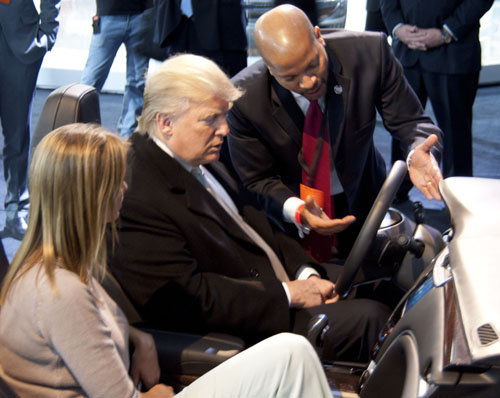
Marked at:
<point>314,217</point>
<point>424,169</point>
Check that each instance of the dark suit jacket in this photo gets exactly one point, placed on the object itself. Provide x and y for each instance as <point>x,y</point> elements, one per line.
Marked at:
<point>218,23</point>
<point>372,5</point>
<point>461,16</point>
<point>28,34</point>
<point>183,260</point>
<point>266,123</point>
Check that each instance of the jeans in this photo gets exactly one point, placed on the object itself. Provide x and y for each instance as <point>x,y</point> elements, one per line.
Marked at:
<point>115,30</point>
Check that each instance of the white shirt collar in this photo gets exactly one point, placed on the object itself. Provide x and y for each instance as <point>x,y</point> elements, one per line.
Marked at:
<point>165,148</point>
<point>303,102</point>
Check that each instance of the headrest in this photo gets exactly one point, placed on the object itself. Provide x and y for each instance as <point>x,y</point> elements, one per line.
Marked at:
<point>73,103</point>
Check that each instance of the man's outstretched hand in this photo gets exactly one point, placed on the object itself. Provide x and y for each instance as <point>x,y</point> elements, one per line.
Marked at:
<point>424,169</point>
<point>314,217</point>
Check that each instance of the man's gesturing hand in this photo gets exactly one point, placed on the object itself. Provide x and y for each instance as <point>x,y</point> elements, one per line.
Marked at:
<point>424,170</point>
<point>314,217</point>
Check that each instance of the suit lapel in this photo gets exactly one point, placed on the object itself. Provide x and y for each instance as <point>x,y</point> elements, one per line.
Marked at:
<point>184,187</point>
<point>284,107</point>
<point>337,100</point>
<point>200,201</point>
<point>246,203</point>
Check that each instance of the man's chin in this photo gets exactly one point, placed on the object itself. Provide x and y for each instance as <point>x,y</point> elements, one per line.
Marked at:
<point>212,157</point>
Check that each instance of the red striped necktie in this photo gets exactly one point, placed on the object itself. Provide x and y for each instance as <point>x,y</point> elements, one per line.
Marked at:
<point>316,175</point>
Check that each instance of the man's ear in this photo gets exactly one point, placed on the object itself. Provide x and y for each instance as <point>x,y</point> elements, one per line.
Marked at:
<point>164,124</point>
<point>317,34</point>
<point>269,67</point>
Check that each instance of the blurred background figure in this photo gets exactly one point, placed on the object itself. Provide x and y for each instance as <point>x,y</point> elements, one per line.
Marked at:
<point>25,37</point>
<point>118,22</point>
<point>437,42</point>
<point>214,30</point>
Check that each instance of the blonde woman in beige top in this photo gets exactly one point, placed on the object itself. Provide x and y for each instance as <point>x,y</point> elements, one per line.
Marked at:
<point>61,335</point>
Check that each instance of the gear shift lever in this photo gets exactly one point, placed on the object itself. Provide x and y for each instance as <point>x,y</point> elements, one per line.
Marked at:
<point>316,331</point>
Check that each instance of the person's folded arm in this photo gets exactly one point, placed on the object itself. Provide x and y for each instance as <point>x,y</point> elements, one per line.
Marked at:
<point>49,22</point>
<point>391,13</point>
<point>466,17</point>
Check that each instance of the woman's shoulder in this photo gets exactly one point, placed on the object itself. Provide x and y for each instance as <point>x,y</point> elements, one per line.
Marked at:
<point>65,286</point>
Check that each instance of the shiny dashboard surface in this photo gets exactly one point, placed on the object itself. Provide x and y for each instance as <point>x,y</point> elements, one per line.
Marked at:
<point>474,256</point>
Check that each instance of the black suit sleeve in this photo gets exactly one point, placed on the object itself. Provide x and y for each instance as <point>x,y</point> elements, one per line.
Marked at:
<point>391,12</point>
<point>466,16</point>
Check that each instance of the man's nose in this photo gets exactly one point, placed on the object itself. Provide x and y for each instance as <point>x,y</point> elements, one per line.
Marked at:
<point>223,128</point>
<point>307,81</point>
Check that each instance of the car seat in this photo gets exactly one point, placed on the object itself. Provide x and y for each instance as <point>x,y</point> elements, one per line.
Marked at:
<point>72,103</point>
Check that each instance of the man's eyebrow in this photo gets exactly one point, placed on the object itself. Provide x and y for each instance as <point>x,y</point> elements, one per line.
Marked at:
<point>213,113</point>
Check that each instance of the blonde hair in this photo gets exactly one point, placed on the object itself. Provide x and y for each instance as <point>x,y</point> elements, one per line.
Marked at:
<point>75,179</point>
<point>180,80</point>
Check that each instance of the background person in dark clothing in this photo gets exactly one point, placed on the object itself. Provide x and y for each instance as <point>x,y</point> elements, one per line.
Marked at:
<point>213,29</point>
<point>374,20</point>
<point>437,42</point>
<point>25,38</point>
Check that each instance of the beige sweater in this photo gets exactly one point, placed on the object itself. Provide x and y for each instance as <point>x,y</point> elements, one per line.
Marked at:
<point>73,343</point>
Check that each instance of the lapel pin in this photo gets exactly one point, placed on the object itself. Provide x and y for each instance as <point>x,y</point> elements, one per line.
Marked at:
<point>337,89</point>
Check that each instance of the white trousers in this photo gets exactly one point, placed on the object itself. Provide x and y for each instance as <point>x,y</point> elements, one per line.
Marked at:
<point>284,365</point>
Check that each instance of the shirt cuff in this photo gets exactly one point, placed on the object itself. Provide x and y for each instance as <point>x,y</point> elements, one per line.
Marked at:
<point>287,292</point>
<point>289,211</point>
<point>408,159</point>
<point>305,271</point>
<point>450,32</point>
<point>395,28</point>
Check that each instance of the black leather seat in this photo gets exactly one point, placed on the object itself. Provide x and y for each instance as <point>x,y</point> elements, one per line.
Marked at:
<point>72,103</point>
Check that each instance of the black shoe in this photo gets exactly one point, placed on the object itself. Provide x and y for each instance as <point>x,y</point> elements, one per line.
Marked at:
<point>14,228</point>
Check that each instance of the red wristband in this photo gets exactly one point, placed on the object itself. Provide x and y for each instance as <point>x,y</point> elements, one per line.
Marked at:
<point>297,214</point>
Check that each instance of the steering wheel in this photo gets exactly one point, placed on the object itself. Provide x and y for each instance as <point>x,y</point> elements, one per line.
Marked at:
<point>370,227</point>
